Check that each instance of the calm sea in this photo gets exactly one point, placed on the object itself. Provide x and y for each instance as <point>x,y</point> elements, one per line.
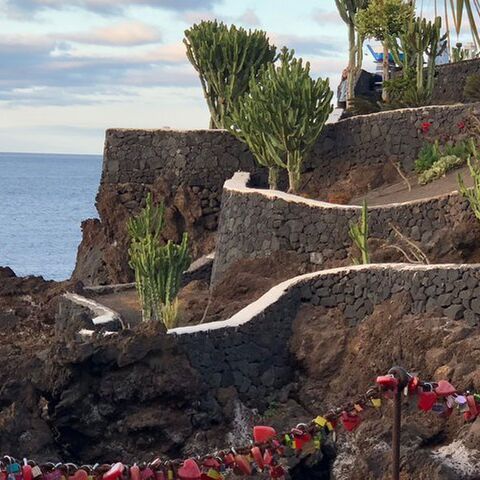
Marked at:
<point>43,199</point>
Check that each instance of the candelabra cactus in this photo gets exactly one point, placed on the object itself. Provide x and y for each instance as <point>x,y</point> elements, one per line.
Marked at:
<point>359,234</point>
<point>472,194</point>
<point>283,114</point>
<point>158,268</point>
<point>226,59</point>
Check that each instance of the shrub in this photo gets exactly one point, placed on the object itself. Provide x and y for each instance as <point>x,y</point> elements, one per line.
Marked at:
<point>226,59</point>
<point>440,168</point>
<point>429,154</point>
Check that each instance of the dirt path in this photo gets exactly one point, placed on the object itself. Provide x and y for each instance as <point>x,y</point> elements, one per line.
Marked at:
<point>398,192</point>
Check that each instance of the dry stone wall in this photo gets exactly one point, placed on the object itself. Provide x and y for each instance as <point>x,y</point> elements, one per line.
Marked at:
<point>188,168</point>
<point>250,351</point>
<point>451,79</point>
<point>255,223</point>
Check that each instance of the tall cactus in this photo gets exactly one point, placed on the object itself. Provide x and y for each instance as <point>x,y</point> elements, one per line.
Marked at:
<point>284,113</point>
<point>419,38</point>
<point>158,268</point>
<point>225,59</point>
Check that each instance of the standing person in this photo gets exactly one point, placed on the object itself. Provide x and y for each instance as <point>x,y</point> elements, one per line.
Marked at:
<point>342,90</point>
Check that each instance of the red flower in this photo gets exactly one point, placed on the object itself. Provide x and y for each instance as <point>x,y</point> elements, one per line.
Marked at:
<point>461,125</point>
<point>426,127</point>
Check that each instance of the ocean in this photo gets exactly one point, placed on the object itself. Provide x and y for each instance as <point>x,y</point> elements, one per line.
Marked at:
<point>43,199</point>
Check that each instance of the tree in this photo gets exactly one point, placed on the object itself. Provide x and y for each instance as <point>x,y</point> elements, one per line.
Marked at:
<point>283,114</point>
<point>225,59</point>
<point>381,20</point>
<point>348,10</point>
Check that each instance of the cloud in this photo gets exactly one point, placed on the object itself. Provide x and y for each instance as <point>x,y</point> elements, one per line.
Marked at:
<point>103,7</point>
<point>40,70</point>
<point>327,17</point>
<point>130,33</point>
<point>310,45</point>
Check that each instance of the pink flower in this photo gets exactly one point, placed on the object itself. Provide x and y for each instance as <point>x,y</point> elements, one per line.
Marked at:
<point>426,127</point>
<point>461,125</point>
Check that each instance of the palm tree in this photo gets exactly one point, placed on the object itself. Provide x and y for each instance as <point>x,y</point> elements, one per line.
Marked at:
<point>348,10</point>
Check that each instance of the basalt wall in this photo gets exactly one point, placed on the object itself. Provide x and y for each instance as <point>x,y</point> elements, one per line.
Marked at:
<point>187,170</point>
<point>451,79</point>
<point>251,350</point>
<point>255,223</point>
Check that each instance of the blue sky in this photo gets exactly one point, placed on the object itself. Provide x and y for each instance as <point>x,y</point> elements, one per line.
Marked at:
<point>72,68</point>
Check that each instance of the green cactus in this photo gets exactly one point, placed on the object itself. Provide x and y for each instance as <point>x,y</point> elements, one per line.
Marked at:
<point>226,59</point>
<point>359,234</point>
<point>418,39</point>
<point>283,114</point>
<point>158,268</point>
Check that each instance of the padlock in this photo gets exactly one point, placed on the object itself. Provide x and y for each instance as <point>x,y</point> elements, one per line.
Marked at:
<point>267,457</point>
<point>472,412</point>
<point>277,472</point>
<point>80,474</point>
<point>444,389</point>
<point>36,472</point>
<point>115,472</point>
<point>426,400</point>
<point>189,470</point>
<point>350,422</point>
<point>257,457</point>
<point>462,404</point>
<point>135,473</point>
<point>242,463</point>
<point>388,382</point>
<point>147,473</point>
<point>376,402</point>
<point>262,434</point>
<point>27,471</point>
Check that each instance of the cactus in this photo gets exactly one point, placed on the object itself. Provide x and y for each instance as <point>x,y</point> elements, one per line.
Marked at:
<point>472,194</point>
<point>226,59</point>
<point>359,234</point>
<point>158,268</point>
<point>283,114</point>
<point>419,38</point>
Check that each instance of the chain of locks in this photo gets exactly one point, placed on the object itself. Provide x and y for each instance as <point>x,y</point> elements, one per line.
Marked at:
<point>269,450</point>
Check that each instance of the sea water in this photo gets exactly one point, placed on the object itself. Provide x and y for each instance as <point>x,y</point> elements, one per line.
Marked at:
<point>43,199</point>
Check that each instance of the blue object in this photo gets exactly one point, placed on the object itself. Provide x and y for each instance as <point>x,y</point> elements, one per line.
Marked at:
<point>378,56</point>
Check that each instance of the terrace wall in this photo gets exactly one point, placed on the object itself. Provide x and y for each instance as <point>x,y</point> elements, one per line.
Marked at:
<point>254,223</point>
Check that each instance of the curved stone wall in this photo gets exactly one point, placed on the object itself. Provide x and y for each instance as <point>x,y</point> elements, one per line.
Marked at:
<point>254,223</point>
<point>187,169</point>
<point>251,350</point>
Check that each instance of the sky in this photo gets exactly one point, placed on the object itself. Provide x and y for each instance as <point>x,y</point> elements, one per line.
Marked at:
<point>72,68</point>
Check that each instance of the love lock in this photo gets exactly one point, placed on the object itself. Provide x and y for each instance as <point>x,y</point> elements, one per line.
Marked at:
<point>189,470</point>
<point>350,421</point>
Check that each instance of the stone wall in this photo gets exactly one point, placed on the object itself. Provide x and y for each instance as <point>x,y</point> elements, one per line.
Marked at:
<point>254,223</point>
<point>187,170</point>
<point>451,79</point>
<point>251,350</point>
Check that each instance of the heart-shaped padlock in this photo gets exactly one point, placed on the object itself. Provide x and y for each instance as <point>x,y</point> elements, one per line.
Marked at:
<point>189,470</point>
<point>444,389</point>
<point>426,400</point>
<point>262,434</point>
<point>350,421</point>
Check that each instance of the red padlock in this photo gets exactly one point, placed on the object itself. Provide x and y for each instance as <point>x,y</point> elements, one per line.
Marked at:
<point>243,464</point>
<point>257,457</point>
<point>473,412</point>
<point>426,400</point>
<point>300,439</point>
<point>277,472</point>
<point>267,457</point>
<point>27,472</point>
<point>444,389</point>
<point>135,473</point>
<point>189,470</point>
<point>262,434</point>
<point>388,382</point>
<point>350,422</point>
<point>115,472</point>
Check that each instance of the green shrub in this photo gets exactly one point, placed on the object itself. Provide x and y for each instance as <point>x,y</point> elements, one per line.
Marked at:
<point>440,168</point>
<point>429,154</point>
<point>472,88</point>
<point>363,106</point>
